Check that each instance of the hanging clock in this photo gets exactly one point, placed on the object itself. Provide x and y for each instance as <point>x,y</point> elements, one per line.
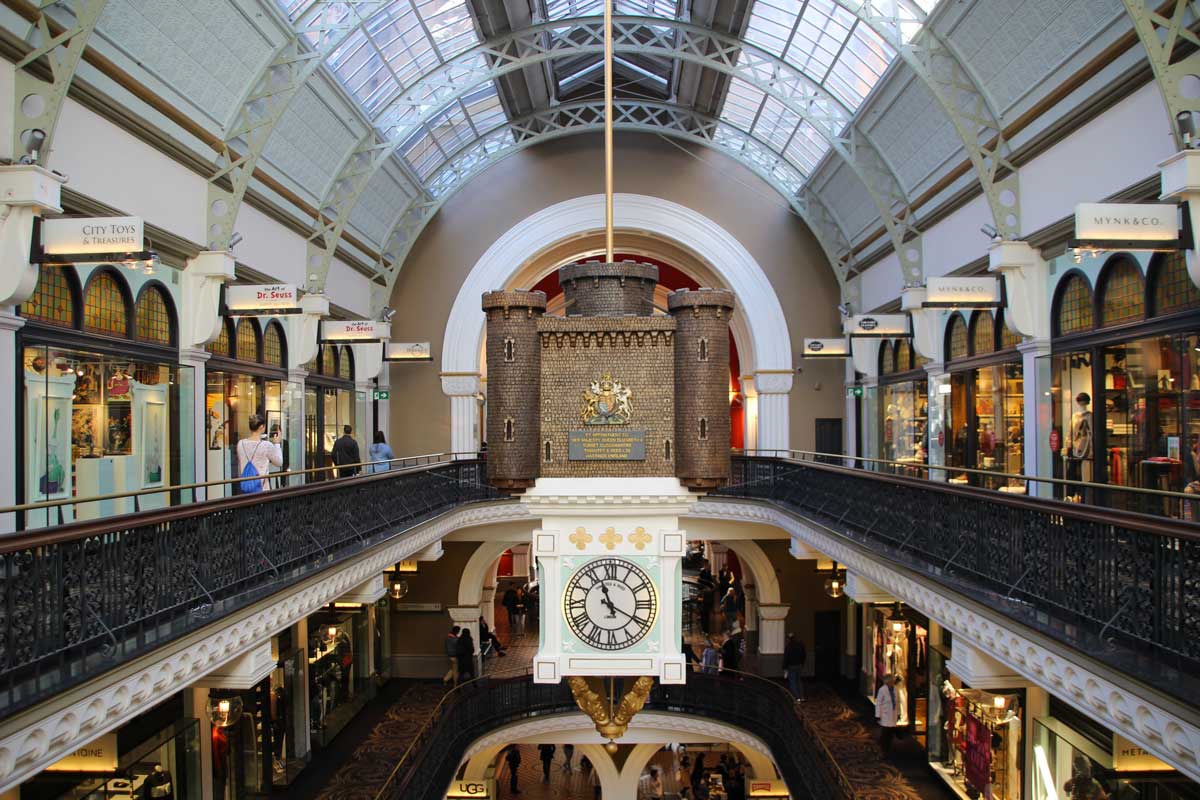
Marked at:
<point>610,603</point>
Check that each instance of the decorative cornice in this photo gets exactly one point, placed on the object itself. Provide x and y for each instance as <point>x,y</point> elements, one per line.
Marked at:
<point>1139,714</point>
<point>32,741</point>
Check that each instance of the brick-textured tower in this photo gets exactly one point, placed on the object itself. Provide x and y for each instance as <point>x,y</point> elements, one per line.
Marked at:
<point>702,385</point>
<point>513,370</point>
<point>609,290</point>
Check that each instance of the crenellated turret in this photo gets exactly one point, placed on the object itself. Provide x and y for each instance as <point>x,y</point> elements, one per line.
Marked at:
<point>513,368</point>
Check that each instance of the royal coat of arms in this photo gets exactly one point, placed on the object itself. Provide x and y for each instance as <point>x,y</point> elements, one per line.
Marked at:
<point>606,402</point>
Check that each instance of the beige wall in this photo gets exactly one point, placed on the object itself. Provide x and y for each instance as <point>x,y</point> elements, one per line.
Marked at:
<point>421,633</point>
<point>517,187</point>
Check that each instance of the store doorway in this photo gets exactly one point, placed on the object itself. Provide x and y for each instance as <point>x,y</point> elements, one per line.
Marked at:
<point>827,628</point>
<point>829,436</point>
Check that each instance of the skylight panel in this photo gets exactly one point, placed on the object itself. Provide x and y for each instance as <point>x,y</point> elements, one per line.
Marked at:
<point>566,9</point>
<point>806,148</point>
<point>742,103</point>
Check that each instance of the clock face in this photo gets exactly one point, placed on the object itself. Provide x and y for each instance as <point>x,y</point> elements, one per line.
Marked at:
<point>610,603</point>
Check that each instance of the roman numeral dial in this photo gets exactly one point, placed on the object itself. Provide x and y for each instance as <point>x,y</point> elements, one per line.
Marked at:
<point>610,604</point>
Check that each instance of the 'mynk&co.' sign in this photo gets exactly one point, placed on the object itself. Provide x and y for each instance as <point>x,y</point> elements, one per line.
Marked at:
<point>825,348</point>
<point>961,293</point>
<point>99,236</point>
<point>358,331</point>
<point>269,298</point>
<point>1127,226</point>
<point>877,326</point>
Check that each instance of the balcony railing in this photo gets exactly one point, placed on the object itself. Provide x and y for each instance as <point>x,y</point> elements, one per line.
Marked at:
<point>1122,587</point>
<point>80,599</point>
<point>749,702</point>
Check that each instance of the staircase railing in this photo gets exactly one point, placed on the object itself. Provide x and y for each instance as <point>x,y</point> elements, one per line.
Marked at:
<point>80,599</point>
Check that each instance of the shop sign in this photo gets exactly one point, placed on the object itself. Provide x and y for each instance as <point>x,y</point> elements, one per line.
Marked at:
<point>760,788</point>
<point>477,789</point>
<point>354,330</point>
<point>826,348</point>
<point>99,755</point>
<point>1055,440</point>
<point>407,351</point>
<point>879,326</point>
<point>977,760</point>
<point>1126,226</point>
<point>962,293</point>
<point>92,235</point>
<point>267,298</point>
<point>1130,757</point>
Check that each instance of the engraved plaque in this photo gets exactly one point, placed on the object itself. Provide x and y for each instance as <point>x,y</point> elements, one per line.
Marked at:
<point>606,444</point>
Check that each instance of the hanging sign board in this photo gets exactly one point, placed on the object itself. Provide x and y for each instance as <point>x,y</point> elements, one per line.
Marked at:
<point>826,348</point>
<point>962,293</point>
<point>407,352</point>
<point>99,755</point>
<point>1127,226</point>
<point>91,239</point>
<point>761,788</point>
<point>273,299</point>
<point>1130,757</point>
<point>359,331</point>
<point>478,789</point>
<point>877,326</point>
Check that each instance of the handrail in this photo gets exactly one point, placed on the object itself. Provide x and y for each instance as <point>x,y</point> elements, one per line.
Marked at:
<point>182,487</point>
<point>987,473</point>
<point>1115,585</point>
<point>663,697</point>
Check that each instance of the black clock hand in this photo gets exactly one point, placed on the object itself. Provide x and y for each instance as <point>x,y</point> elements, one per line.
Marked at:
<point>608,600</point>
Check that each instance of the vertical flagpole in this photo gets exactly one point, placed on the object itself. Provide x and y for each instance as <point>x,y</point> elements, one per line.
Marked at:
<point>608,131</point>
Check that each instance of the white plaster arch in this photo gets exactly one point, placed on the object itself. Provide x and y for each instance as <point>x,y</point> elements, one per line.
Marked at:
<point>749,553</point>
<point>479,567</point>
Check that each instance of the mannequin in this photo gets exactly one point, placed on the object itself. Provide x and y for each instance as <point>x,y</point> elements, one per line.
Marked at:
<point>1079,451</point>
<point>158,784</point>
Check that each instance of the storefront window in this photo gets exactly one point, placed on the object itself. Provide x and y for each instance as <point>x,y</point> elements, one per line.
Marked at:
<point>983,333</point>
<point>339,669</point>
<point>105,309</point>
<point>328,361</point>
<point>1174,289</point>
<point>986,747</point>
<point>153,318</point>
<point>1000,422</point>
<point>1122,292</point>
<point>1074,307</point>
<point>956,338</point>
<point>247,340</point>
<point>346,364</point>
<point>897,644</point>
<point>273,346</point>
<point>54,299</point>
<point>220,347</point>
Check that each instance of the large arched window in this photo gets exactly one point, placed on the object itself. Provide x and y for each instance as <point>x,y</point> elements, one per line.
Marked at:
<point>221,345</point>
<point>105,309</point>
<point>329,360</point>
<point>247,340</point>
<point>1008,337</point>
<point>1074,307</point>
<point>273,351</point>
<point>956,338</point>
<point>54,298</point>
<point>152,316</point>
<point>1174,290</point>
<point>887,364</point>
<point>983,333</point>
<point>1122,292</point>
<point>903,356</point>
<point>346,364</point>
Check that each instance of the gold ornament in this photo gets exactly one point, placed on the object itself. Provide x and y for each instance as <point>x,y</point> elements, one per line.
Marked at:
<point>593,700</point>
<point>607,402</point>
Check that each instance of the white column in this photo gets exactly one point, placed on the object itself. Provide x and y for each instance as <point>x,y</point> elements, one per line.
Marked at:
<point>463,388</point>
<point>304,731</point>
<point>195,704</point>
<point>10,323</point>
<point>362,416</point>
<point>197,359</point>
<point>294,431</point>
<point>751,606</point>
<point>772,628</point>
<point>935,423</point>
<point>750,412</point>
<point>487,605</point>
<point>468,617</point>
<point>774,432</point>
<point>1039,414</point>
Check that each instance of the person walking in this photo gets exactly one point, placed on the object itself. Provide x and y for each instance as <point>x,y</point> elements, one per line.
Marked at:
<point>731,652</point>
<point>466,655</point>
<point>345,453</point>
<point>698,771</point>
<point>546,754</point>
<point>568,754</point>
<point>520,612</point>
<point>509,601</point>
<point>379,454</point>
<point>729,609</point>
<point>656,784</point>
<point>707,587</point>
<point>513,759</point>
<point>261,452</point>
<point>887,712</point>
<point>451,647</point>
<point>710,658</point>
<point>794,657</point>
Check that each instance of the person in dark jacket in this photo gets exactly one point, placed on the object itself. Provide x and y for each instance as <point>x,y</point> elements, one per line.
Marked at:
<point>486,636</point>
<point>546,754</point>
<point>345,451</point>
<point>794,656</point>
<point>510,605</point>
<point>466,655</point>
<point>731,652</point>
<point>513,759</point>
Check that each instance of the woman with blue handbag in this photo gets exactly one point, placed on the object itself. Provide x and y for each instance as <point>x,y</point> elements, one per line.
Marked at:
<point>255,455</point>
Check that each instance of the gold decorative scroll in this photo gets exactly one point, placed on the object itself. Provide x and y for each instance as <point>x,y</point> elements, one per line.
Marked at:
<point>594,700</point>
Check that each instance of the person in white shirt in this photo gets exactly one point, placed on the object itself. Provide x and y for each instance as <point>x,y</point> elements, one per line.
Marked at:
<point>259,450</point>
<point>887,712</point>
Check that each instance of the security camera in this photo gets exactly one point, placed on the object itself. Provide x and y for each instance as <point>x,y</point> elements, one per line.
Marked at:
<point>1185,122</point>
<point>34,139</point>
<point>387,314</point>
<point>235,240</point>
<point>990,231</point>
<point>844,309</point>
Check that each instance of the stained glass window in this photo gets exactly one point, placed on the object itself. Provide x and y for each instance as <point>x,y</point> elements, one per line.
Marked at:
<point>887,364</point>
<point>104,308</point>
<point>1074,306</point>
<point>903,356</point>
<point>53,300</point>
<point>273,345</point>
<point>247,341</point>
<point>957,338</point>
<point>221,346</point>
<point>346,364</point>
<point>328,361</point>
<point>1124,298</point>
<point>983,333</point>
<point>1008,337</point>
<point>153,319</point>
<point>1173,287</point>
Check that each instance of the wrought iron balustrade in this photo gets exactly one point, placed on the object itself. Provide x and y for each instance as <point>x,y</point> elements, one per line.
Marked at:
<point>1120,586</point>
<point>762,707</point>
<point>80,599</point>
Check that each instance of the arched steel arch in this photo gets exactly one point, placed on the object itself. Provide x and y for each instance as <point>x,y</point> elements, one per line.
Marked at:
<point>423,100</point>
<point>586,117</point>
<point>1160,34</point>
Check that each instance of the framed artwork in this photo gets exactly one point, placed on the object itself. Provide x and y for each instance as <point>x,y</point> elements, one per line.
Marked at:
<point>85,431</point>
<point>87,384</point>
<point>118,384</point>
<point>153,451</point>
<point>214,421</point>
<point>118,431</point>
<point>274,420</point>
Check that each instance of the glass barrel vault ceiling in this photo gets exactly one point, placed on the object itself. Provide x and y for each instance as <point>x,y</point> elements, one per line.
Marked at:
<point>390,51</point>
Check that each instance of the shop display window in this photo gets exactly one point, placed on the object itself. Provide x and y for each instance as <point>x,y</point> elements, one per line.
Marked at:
<point>897,641</point>
<point>231,398</point>
<point>999,395</point>
<point>340,676</point>
<point>984,740</point>
<point>904,412</point>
